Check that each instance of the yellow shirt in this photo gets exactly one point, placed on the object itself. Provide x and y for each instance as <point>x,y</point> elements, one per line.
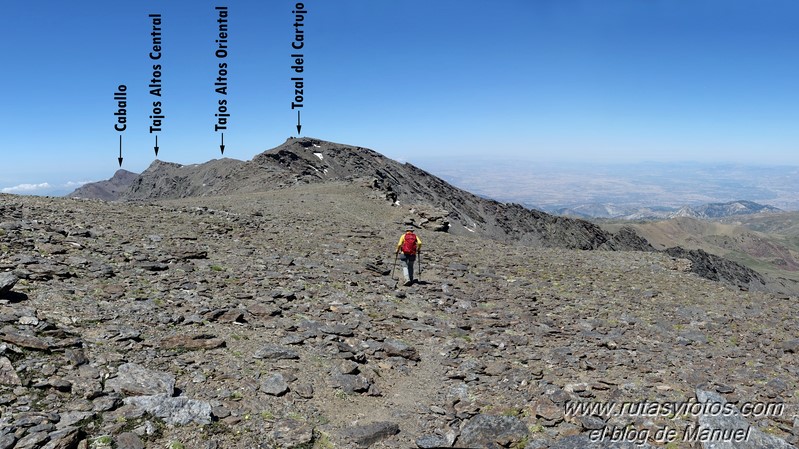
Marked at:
<point>402,242</point>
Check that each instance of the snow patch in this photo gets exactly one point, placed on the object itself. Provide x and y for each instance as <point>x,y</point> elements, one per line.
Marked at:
<point>316,146</point>
<point>319,155</point>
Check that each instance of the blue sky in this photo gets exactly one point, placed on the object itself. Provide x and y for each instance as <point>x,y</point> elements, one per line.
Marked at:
<point>555,81</point>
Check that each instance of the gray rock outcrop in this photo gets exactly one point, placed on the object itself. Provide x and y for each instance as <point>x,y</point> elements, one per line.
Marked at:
<point>730,430</point>
<point>135,380</point>
<point>178,411</point>
<point>7,282</point>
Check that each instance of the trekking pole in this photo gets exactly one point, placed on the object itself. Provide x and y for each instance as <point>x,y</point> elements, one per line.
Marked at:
<point>394,267</point>
<point>420,266</point>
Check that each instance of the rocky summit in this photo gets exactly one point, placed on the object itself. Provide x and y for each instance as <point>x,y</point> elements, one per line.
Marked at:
<point>434,204</point>
<point>238,318</point>
<point>108,190</point>
<point>309,161</point>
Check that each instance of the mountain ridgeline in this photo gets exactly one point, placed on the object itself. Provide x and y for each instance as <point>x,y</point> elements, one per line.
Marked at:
<point>728,209</point>
<point>108,190</point>
<point>436,203</point>
<point>707,211</point>
<point>433,203</point>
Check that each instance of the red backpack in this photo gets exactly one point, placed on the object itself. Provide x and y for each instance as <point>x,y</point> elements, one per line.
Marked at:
<point>409,245</point>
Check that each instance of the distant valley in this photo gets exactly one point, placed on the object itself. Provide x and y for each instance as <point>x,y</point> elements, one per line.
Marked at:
<point>740,213</point>
<point>703,211</point>
<point>638,190</point>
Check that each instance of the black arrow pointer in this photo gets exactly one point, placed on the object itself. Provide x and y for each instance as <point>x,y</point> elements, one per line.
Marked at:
<point>120,151</point>
<point>299,126</point>
<point>156,145</point>
<point>222,145</point>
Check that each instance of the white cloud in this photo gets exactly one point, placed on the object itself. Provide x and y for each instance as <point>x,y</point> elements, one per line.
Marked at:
<point>27,188</point>
<point>44,188</point>
<point>76,183</point>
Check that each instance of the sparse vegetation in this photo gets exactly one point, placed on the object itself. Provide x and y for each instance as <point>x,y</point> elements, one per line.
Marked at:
<point>605,321</point>
<point>322,441</point>
<point>102,442</point>
<point>521,444</point>
<point>296,416</point>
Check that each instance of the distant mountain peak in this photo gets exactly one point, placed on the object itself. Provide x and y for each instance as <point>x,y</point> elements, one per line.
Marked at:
<point>109,190</point>
<point>436,204</point>
<point>308,160</point>
<point>159,164</point>
<point>122,173</point>
<point>653,212</point>
<point>728,209</point>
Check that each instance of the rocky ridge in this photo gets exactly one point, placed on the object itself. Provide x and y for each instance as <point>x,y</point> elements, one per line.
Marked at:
<point>109,190</point>
<point>717,268</point>
<point>707,211</point>
<point>728,209</point>
<point>433,203</point>
<point>272,320</point>
<point>441,206</point>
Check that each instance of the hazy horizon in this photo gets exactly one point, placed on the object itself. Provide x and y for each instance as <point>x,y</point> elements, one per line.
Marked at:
<point>568,81</point>
<point>551,186</point>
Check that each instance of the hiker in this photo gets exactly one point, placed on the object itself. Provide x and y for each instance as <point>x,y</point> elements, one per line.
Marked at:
<point>408,247</point>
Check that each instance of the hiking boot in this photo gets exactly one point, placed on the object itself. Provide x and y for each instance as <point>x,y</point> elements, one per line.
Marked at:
<point>408,283</point>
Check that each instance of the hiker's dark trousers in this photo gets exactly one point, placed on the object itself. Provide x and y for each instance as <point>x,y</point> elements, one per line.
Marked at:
<point>407,266</point>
